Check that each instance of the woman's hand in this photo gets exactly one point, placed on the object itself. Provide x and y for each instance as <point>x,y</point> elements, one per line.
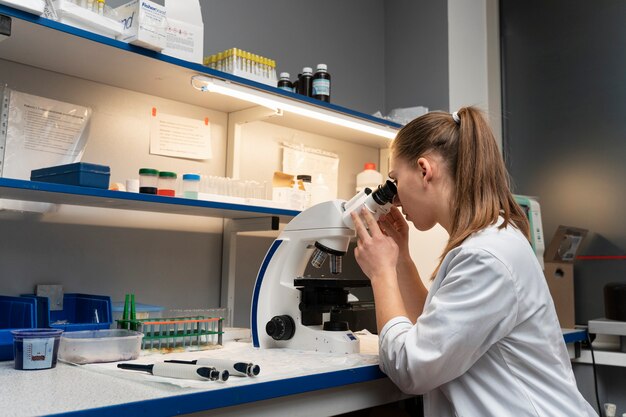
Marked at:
<point>395,226</point>
<point>376,252</point>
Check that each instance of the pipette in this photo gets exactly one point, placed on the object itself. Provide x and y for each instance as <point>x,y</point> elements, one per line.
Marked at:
<point>237,368</point>
<point>177,370</point>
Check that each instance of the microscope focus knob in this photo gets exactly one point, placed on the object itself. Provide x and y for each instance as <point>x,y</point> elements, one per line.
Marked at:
<point>281,327</point>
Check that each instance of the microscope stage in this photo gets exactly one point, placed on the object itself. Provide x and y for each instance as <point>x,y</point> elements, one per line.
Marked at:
<point>326,282</point>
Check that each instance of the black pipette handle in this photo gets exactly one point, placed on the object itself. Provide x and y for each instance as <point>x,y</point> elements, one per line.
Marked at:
<point>135,367</point>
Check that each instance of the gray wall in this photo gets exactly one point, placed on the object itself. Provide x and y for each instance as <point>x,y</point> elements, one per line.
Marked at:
<point>565,101</point>
<point>346,35</point>
<point>564,105</point>
<point>416,54</point>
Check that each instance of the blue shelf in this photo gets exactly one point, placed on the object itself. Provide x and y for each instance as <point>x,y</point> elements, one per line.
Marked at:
<point>94,197</point>
<point>57,47</point>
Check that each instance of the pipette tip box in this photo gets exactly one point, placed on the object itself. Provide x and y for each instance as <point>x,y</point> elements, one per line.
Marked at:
<point>80,173</point>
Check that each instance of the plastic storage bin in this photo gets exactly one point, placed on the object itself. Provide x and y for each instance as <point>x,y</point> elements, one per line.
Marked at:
<point>81,173</point>
<point>80,312</point>
<point>15,313</point>
<point>90,346</point>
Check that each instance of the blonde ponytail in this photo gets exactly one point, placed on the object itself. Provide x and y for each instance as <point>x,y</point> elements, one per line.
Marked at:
<point>481,183</point>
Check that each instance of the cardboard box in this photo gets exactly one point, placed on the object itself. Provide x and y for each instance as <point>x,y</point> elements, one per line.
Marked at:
<point>145,24</point>
<point>185,30</point>
<point>559,271</point>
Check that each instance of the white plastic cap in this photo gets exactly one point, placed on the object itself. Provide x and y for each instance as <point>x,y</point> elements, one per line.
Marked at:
<point>322,67</point>
<point>307,70</point>
<point>284,75</point>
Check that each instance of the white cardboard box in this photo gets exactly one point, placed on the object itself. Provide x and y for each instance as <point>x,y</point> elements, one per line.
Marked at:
<point>30,6</point>
<point>144,23</point>
<point>185,30</point>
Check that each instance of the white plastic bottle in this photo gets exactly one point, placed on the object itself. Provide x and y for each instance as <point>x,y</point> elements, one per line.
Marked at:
<point>369,177</point>
<point>320,192</point>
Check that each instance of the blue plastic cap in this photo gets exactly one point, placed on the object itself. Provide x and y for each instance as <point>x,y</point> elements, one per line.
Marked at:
<point>191,177</point>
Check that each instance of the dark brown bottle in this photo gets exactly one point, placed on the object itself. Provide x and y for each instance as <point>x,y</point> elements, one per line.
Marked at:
<point>305,82</point>
<point>321,84</point>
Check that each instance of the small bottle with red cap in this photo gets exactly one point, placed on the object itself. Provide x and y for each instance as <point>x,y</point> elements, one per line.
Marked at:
<point>369,177</point>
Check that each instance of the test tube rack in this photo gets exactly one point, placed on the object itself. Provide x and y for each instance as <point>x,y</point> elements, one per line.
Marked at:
<point>177,332</point>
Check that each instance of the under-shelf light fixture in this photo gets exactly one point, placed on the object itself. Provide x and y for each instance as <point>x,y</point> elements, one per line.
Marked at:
<point>280,104</point>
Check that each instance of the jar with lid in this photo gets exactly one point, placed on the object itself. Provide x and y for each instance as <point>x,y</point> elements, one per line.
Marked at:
<point>284,83</point>
<point>148,179</point>
<point>167,183</point>
<point>321,84</point>
<point>305,82</point>
<point>191,185</point>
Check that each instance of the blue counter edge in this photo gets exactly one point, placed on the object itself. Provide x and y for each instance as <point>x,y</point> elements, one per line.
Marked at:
<point>210,400</point>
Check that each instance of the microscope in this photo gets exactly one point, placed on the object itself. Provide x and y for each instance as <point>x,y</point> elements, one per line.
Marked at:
<point>288,309</point>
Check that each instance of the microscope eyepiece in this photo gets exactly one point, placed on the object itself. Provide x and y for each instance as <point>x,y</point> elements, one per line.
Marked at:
<point>385,193</point>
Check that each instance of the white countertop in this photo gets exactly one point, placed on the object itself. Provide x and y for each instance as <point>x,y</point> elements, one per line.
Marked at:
<point>103,389</point>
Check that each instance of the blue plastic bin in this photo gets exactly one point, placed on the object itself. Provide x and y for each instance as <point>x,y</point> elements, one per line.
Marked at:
<point>15,313</point>
<point>80,173</point>
<point>79,312</point>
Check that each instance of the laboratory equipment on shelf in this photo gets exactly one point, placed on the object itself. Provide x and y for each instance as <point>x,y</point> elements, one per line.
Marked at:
<point>288,309</point>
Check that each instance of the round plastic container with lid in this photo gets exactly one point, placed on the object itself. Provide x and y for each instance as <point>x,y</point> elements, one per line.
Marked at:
<point>36,348</point>
<point>191,185</point>
<point>369,177</point>
<point>167,183</point>
<point>148,180</point>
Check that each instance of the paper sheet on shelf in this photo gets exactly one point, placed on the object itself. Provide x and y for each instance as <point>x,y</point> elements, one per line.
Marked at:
<point>317,163</point>
<point>180,137</point>
<point>275,364</point>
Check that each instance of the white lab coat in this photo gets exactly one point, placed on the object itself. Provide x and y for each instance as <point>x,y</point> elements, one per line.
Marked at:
<point>488,342</point>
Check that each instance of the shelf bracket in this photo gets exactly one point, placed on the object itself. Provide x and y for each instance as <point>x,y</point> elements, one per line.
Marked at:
<point>234,140</point>
<point>229,255</point>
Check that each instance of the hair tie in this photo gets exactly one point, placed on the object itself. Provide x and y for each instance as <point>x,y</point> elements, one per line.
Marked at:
<point>456,118</point>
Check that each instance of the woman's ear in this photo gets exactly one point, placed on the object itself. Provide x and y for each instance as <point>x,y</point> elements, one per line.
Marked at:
<point>425,169</point>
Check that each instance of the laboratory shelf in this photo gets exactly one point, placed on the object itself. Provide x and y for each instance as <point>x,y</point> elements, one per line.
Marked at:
<point>15,189</point>
<point>53,46</point>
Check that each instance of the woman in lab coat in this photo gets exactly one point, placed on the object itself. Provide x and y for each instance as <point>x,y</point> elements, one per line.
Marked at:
<point>485,339</point>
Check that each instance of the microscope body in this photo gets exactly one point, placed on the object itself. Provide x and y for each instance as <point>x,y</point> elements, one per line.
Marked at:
<point>280,315</point>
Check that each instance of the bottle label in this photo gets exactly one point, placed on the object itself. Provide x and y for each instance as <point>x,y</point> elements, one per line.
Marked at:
<point>37,353</point>
<point>286,89</point>
<point>321,87</point>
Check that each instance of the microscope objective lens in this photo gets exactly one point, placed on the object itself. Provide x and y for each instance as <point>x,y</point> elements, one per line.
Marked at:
<point>318,258</point>
<point>336,264</point>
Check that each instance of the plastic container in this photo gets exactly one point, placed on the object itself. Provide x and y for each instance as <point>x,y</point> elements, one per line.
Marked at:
<point>167,184</point>
<point>305,82</point>
<point>191,186</point>
<point>284,83</point>
<point>91,346</point>
<point>369,177</point>
<point>82,18</point>
<point>321,84</point>
<point>148,180</point>
<point>36,348</point>
<point>81,173</point>
<point>80,312</point>
<point>320,191</point>
<point>15,313</point>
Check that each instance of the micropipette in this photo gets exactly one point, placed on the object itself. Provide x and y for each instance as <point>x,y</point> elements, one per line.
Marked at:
<point>177,370</point>
<point>237,368</point>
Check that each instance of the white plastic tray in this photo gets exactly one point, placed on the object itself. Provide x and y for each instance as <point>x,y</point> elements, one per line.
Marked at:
<point>77,16</point>
<point>30,6</point>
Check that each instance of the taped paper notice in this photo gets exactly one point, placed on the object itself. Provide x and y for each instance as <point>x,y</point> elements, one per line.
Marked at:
<point>180,137</point>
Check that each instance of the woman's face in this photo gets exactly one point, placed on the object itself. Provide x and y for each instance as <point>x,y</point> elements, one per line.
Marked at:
<point>414,192</point>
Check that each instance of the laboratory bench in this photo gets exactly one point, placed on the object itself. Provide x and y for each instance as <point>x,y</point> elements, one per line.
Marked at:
<point>290,383</point>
